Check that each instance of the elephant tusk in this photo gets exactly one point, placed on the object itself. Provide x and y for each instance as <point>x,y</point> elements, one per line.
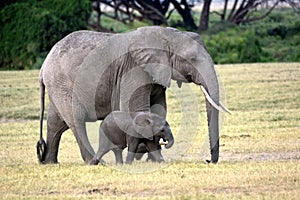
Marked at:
<point>162,142</point>
<point>209,99</point>
<point>224,108</point>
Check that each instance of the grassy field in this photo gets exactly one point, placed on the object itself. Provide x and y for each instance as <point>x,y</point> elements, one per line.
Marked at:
<point>259,154</point>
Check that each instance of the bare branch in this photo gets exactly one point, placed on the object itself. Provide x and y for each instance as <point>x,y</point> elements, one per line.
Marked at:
<point>263,15</point>
<point>232,10</point>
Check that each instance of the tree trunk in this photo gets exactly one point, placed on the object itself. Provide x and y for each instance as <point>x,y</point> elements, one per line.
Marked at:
<point>204,19</point>
<point>185,13</point>
<point>232,10</point>
<point>224,10</point>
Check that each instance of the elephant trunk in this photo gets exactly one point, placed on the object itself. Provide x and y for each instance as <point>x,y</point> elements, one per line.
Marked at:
<point>213,129</point>
<point>168,136</point>
<point>208,81</point>
<point>213,122</point>
<point>170,141</point>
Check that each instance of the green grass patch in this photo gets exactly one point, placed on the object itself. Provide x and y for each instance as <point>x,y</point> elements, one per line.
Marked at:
<point>259,153</point>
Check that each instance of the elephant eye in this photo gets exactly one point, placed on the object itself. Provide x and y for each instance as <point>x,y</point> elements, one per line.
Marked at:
<point>162,130</point>
<point>193,60</point>
<point>189,77</point>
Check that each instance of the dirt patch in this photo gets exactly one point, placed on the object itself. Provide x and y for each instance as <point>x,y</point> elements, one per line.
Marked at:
<point>244,157</point>
<point>262,156</point>
<point>103,191</point>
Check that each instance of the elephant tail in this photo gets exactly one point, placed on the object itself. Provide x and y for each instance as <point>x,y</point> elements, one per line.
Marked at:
<point>41,144</point>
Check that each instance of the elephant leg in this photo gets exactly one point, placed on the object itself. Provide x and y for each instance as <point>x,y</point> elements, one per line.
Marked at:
<point>118,155</point>
<point>55,127</point>
<point>154,152</point>
<point>158,100</point>
<point>132,148</point>
<point>140,151</point>
<point>86,150</point>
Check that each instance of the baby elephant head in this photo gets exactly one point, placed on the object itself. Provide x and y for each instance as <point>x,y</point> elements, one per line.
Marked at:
<point>153,126</point>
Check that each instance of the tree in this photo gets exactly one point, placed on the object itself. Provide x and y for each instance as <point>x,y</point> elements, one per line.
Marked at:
<point>244,11</point>
<point>184,9</point>
<point>157,11</point>
<point>204,19</point>
<point>126,11</point>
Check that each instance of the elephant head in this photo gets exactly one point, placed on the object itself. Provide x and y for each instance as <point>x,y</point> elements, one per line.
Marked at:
<point>166,54</point>
<point>153,127</point>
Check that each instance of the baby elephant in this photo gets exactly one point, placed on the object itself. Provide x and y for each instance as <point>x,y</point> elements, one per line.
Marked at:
<point>120,129</point>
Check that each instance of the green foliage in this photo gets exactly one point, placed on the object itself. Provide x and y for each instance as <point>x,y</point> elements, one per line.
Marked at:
<point>226,47</point>
<point>251,49</point>
<point>280,31</point>
<point>274,39</point>
<point>29,29</point>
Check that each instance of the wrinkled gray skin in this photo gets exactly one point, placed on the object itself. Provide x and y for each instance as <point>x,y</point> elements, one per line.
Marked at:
<point>121,129</point>
<point>89,74</point>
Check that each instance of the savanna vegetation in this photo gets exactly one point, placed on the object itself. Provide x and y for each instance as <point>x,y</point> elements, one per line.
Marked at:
<point>28,30</point>
<point>259,155</point>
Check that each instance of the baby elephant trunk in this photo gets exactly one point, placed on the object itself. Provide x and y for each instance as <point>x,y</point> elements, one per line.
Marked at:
<point>168,136</point>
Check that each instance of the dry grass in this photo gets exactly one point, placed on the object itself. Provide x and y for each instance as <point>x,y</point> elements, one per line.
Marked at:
<point>260,144</point>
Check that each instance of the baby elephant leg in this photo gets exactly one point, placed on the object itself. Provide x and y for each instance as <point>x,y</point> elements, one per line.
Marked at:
<point>154,151</point>
<point>118,155</point>
<point>105,146</point>
<point>133,144</point>
<point>140,151</point>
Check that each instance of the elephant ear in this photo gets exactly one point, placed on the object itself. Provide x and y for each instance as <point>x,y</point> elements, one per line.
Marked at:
<point>161,74</point>
<point>149,48</point>
<point>143,126</point>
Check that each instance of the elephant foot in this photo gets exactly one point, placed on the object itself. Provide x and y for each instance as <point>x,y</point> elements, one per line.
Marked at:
<point>49,162</point>
<point>209,161</point>
<point>138,156</point>
<point>93,162</point>
<point>96,162</point>
<point>102,162</point>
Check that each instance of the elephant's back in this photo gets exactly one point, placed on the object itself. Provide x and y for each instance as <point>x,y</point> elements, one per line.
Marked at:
<point>69,53</point>
<point>85,40</point>
<point>72,49</point>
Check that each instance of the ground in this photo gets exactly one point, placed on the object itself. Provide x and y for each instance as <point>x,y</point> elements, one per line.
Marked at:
<point>259,144</point>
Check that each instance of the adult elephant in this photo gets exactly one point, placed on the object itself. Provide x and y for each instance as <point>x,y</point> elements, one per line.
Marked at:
<point>89,74</point>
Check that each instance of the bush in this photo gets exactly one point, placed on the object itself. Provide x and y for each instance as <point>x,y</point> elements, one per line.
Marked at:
<point>234,46</point>
<point>251,50</point>
<point>29,29</point>
<point>280,30</point>
<point>274,39</point>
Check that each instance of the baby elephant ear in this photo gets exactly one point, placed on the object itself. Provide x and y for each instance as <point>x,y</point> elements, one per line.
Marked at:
<point>143,126</point>
<point>143,120</point>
